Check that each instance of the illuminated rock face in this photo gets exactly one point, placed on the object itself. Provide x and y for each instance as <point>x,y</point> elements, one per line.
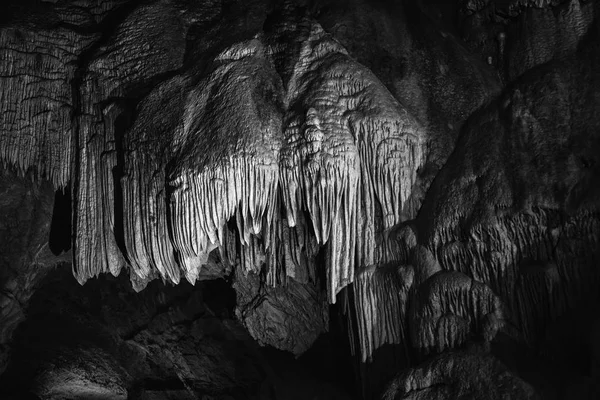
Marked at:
<point>438,183</point>
<point>263,133</point>
<point>232,141</point>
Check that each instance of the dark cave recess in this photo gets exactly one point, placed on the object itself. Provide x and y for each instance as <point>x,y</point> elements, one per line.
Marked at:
<point>130,345</point>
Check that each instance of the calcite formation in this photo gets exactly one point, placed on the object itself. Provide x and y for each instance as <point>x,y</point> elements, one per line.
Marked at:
<point>243,153</point>
<point>236,144</point>
<point>443,192</point>
<point>381,295</point>
<point>37,103</point>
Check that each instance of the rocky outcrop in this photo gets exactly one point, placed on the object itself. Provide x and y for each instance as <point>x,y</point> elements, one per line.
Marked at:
<point>459,376</point>
<point>288,317</point>
<point>104,340</point>
<point>515,207</point>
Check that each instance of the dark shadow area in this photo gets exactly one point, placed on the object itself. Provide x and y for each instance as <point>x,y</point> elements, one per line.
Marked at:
<point>60,228</point>
<point>387,361</point>
<point>180,341</point>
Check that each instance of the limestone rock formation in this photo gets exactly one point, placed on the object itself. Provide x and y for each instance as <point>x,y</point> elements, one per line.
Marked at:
<point>413,183</point>
<point>450,376</point>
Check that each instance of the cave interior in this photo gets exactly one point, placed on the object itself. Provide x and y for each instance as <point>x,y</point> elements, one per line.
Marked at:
<point>338,199</point>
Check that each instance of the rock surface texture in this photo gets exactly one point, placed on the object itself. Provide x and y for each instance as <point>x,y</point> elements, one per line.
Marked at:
<point>300,199</point>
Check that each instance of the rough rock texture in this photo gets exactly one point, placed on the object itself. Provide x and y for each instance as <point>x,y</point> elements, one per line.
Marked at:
<point>25,256</point>
<point>264,309</point>
<point>515,36</point>
<point>106,341</point>
<point>418,176</point>
<point>426,68</point>
<point>450,376</point>
<point>450,307</point>
<point>302,129</point>
<point>523,218</point>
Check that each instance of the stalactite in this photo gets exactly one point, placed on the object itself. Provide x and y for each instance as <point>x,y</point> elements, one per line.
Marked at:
<point>95,247</point>
<point>380,301</point>
<point>283,147</point>
<point>145,226</point>
<point>36,69</point>
<point>346,155</point>
<point>109,74</point>
<point>237,178</point>
<point>347,152</point>
<point>327,164</point>
<point>354,151</point>
<point>299,251</point>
